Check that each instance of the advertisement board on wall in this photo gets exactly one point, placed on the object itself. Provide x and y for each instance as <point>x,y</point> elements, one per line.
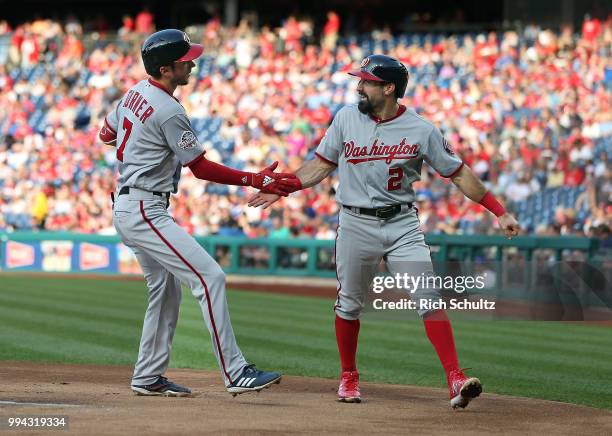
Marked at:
<point>67,256</point>
<point>21,256</point>
<point>56,255</point>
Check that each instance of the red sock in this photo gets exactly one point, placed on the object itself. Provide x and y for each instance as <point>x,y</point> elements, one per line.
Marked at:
<point>347,332</point>
<point>440,334</point>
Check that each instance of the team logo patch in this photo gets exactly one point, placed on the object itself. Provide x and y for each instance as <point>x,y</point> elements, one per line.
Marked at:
<point>365,62</point>
<point>448,147</point>
<point>187,141</point>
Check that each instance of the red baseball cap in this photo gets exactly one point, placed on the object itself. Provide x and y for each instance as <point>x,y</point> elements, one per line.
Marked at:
<point>194,52</point>
<point>363,72</point>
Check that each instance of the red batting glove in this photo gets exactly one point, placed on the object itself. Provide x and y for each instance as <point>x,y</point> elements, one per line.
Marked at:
<point>289,185</point>
<point>269,182</point>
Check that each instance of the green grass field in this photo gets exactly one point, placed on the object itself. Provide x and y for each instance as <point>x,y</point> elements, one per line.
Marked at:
<point>81,320</point>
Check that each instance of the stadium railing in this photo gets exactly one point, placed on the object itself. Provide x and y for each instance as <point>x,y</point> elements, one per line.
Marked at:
<point>25,251</point>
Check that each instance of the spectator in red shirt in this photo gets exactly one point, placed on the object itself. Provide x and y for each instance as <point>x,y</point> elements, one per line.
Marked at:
<point>145,22</point>
<point>127,27</point>
<point>591,28</point>
<point>330,30</point>
<point>574,175</point>
<point>292,33</point>
<point>30,50</point>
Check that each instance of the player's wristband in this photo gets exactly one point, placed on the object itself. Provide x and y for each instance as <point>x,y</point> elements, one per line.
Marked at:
<point>491,203</point>
<point>107,135</point>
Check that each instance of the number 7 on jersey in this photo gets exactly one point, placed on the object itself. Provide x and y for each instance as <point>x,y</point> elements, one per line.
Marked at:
<point>127,126</point>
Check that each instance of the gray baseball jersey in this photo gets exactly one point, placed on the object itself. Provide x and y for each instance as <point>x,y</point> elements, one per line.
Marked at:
<point>379,160</point>
<point>154,137</point>
<point>377,163</point>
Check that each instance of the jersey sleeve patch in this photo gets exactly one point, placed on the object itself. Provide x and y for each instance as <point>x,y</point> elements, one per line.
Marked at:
<point>187,140</point>
<point>447,147</point>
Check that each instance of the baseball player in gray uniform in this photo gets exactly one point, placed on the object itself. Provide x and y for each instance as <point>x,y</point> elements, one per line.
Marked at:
<point>378,147</point>
<point>154,138</point>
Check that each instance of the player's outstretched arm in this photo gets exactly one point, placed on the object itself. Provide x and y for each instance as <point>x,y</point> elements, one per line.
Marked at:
<point>309,174</point>
<point>313,171</point>
<point>262,199</point>
<point>266,180</point>
<point>473,188</point>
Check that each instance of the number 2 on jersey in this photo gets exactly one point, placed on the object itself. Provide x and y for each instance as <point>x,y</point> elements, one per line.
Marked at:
<point>127,126</point>
<point>395,179</point>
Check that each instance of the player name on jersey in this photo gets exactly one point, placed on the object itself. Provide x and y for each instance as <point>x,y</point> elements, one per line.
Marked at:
<point>385,152</point>
<point>135,102</point>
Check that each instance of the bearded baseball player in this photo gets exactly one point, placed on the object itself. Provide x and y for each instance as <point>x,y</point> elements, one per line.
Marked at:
<point>378,147</point>
<point>155,139</point>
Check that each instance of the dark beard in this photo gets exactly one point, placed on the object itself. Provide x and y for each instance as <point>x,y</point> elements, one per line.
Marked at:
<point>365,107</point>
<point>180,82</point>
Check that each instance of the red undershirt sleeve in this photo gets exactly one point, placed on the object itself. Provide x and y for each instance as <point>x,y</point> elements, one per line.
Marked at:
<point>204,169</point>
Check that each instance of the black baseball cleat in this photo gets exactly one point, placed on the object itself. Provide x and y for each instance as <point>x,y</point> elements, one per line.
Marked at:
<point>253,380</point>
<point>163,388</point>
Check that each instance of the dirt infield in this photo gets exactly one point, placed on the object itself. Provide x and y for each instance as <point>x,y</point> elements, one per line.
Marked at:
<point>97,400</point>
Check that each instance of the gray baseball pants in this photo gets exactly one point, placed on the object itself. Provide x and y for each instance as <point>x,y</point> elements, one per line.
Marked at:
<point>168,255</point>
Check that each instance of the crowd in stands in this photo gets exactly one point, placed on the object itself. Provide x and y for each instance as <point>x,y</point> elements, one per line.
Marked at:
<point>529,111</point>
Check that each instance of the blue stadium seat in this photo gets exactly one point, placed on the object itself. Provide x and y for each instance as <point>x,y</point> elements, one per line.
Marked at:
<point>34,118</point>
<point>207,129</point>
<point>215,188</point>
<point>9,218</point>
<point>39,101</point>
<point>42,124</point>
<point>24,221</point>
<point>540,207</point>
<point>230,231</point>
<point>84,77</point>
<point>15,74</point>
<point>227,145</point>
<point>205,66</point>
<point>36,73</point>
<point>603,145</point>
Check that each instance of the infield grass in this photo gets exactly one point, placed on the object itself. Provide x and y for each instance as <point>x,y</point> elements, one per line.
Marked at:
<point>80,320</point>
